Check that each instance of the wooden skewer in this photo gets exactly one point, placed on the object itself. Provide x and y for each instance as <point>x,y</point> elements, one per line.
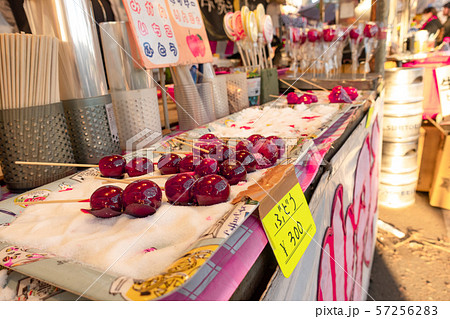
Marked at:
<point>193,146</point>
<point>295,89</point>
<point>55,164</point>
<point>116,180</point>
<point>60,201</point>
<point>184,139</point>
<point>188,140</point>
<point>313,84</point>
<point>129,182</point>
<point>308,93</point>
<point>290,85</point>
<point>149,177</point>
<point>172,143</point>
<point>132,179</point>
<point>174,152</point>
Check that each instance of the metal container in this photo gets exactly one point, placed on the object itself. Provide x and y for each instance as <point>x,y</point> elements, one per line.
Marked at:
<point>395,179</point>
<point>35,134</point>
<point>81,72</point>
<point>400,149</point>
<point>92,128</point>
<point>399,164</point>
<point>137,117</point>
<point>397,196</point>
<point>403,109</point>
<point>401,129</point>
<point>403,93</point>
<point>403,75</point>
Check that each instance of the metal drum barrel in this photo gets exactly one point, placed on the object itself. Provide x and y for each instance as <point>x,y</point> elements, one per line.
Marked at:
<point>399,163</point>
<point>401,130</point>
<point>400,148</point>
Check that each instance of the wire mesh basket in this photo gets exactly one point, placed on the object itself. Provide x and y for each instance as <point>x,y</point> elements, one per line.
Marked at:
<point>138,119</point>
<point>34,134</point>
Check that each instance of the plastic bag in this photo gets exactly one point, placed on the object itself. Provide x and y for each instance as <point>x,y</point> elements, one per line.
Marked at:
<point>4,26</point>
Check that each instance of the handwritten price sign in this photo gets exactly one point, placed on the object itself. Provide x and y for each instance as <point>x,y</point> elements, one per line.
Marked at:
<point>186,13</point>
<point>290,227</point>
<point>168,32</point>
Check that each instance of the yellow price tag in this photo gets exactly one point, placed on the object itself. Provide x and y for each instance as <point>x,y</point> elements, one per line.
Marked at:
<point>369,116</point>
<point>290,228</point>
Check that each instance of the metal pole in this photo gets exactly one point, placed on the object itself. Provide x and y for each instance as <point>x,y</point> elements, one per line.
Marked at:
<point>321,11</point>
<point>382,20</point>
<point>405,24</point>
<point>162,81</point>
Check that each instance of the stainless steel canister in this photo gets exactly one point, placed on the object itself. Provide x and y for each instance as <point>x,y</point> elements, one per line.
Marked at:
<point>80,61</point>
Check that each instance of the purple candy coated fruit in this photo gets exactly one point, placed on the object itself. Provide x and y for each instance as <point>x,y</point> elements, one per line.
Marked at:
<point>211,189</point>
<point>179,189</point>
<point>169,164</point>
<point>206,167</point>
<point>142,198</point>
<point>112,166</point>
<point>247,159</point>
<point>139,166</point>
<point>189,162</point>
<point>233,172</point>
<point>106,201</point>
<point>254,138</point>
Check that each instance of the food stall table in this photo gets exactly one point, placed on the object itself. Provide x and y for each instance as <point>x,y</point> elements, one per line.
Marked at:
<point>338,172</point>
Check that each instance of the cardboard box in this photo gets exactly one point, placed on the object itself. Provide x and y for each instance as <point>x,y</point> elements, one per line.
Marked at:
<point>429,144</point>
<point>440,188</point>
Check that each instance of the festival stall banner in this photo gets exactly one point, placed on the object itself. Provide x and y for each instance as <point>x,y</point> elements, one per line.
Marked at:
<point>168,32</point>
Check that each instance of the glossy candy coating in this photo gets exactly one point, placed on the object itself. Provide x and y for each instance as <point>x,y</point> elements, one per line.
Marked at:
<point>339,95</point>
<point>169,164</point>
<point>206,167</point>
<point>179,189</point>
<point>106,202</point>
<point>189,162</point>
<point>234,171</point>
<point>139,166</point>
<point>142,198</point>
<point>112,166</point>
<point>247,159</point>
<point>211,189</point>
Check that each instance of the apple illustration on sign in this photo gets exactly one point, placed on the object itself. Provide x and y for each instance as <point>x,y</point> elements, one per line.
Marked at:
<point>196,45</point>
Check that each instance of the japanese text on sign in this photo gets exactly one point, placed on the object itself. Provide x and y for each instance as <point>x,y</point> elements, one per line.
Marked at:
<point>221,6</point>
<point>168,32</point>
<point>154,30</point>
<point>186,13</point>
<point>290,227</point>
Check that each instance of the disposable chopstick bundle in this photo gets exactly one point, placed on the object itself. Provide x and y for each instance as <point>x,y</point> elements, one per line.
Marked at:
<point>28,70</point>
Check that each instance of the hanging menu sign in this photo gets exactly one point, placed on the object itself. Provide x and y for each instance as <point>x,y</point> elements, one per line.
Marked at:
<point>168,32</point>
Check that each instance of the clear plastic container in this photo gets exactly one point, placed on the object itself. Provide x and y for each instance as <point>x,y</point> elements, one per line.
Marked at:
<point>195,105</point>
<point>237,92</point>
